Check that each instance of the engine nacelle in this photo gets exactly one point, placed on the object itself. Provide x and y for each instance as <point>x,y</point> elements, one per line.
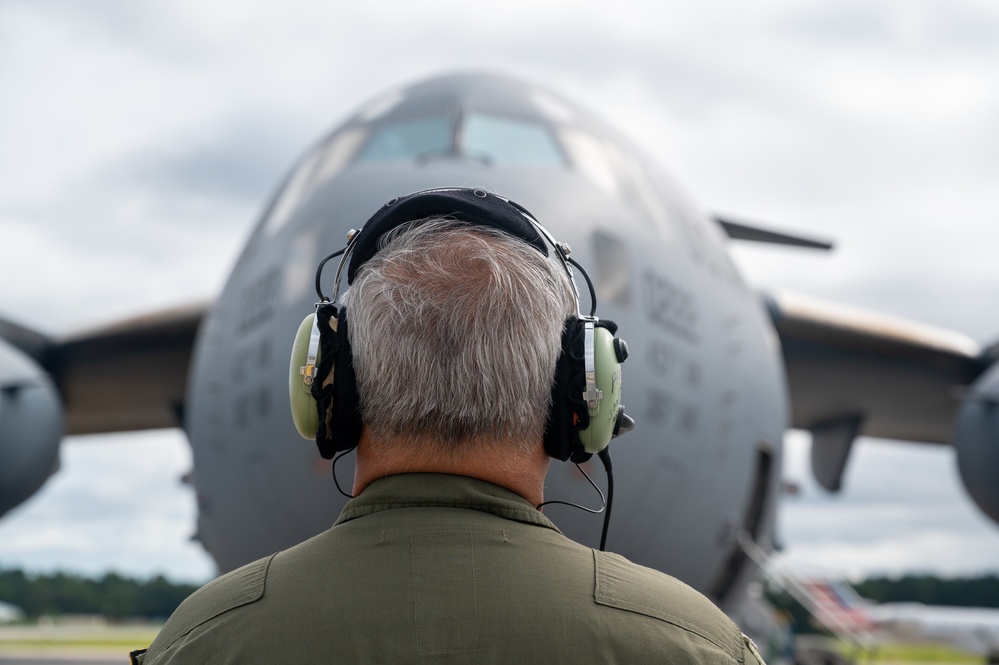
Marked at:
<point>976,438</point>
<point>30,427</point>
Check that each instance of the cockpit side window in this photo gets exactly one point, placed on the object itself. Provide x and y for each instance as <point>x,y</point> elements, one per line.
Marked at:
<point>618,171</point>
<point>590,157</point>
<point>503,140</point>
<point>407,139</point>
<point>295,191</point>
<point>313,170</point>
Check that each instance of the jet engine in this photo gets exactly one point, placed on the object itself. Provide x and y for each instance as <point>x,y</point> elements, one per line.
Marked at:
<point>976,438</point>
<point>30,427</point>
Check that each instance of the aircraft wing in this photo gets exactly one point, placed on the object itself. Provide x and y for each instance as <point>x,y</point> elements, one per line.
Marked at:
<point>853,372</point>
<point>130,375</point>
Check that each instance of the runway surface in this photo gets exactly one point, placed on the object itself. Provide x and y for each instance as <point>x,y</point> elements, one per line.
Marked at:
<point>62,657</point>
<point>87,642</point>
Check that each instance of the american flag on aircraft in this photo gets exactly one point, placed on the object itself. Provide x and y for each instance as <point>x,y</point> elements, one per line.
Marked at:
<point>836,603</point>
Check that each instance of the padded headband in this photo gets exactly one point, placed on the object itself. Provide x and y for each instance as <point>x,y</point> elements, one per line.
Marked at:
<point>475,206</point>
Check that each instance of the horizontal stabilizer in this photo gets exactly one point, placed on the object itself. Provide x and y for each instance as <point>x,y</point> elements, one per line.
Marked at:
<point>743,231</point>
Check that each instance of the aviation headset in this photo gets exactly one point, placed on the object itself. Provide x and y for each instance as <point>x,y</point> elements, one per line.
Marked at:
<point>586,409</point>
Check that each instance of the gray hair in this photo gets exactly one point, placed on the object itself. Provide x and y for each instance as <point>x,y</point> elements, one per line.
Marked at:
<point>455,331</point>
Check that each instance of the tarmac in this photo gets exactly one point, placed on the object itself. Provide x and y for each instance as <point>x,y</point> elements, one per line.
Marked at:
<point>62,657</point>
<point>89,641</point>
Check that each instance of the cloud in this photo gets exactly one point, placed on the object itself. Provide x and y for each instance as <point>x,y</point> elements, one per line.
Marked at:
<point>903,508</point>
<point>141,143</point>
<point>237,160</point>
<point>94,516</point>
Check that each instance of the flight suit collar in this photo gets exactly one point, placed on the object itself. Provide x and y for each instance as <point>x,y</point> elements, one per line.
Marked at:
<point>413,490</point>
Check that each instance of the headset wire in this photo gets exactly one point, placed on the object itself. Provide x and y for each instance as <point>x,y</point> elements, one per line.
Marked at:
<point>589,285</point>
<point>605,457</point>
<point>333,471</point>
<point>606,502</point>
<point>319,273</point>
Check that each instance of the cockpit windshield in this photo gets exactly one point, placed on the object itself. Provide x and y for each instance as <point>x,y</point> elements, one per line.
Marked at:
<point>508,141</point>
<point>407,139</point>
<point>488,138</point>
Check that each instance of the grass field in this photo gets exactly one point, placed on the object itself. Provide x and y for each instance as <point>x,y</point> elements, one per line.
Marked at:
<point>921,653</point>
<point>104,638</point>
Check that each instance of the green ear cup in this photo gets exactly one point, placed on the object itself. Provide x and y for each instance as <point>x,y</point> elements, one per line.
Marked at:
<point>300,376</point>
<point>608,375</point>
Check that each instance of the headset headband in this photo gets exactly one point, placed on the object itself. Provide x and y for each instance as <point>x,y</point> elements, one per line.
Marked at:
<point>474,206</point>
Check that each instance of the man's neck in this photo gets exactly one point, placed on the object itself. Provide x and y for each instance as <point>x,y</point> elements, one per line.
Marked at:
<point>513,467</point>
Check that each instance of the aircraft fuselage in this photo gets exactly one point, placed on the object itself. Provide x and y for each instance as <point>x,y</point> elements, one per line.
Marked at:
<point>704,380</point>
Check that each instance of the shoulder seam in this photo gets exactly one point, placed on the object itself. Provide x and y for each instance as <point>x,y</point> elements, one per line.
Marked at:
<point>604,596</point>
<point>255,575</point>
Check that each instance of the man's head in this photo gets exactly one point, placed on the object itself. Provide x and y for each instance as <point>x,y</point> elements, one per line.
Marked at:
<point>455,331</point>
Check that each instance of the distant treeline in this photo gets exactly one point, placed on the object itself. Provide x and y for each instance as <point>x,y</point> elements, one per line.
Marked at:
<point>112,595</point>
<point>960,591</point>
<point>118,597</point>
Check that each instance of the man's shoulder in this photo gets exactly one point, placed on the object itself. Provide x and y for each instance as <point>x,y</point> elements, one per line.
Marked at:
<point>235,589</point>
<point>627,586</point>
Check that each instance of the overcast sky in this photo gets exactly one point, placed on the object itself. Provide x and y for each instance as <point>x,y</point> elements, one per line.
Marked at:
<point>138,142</point>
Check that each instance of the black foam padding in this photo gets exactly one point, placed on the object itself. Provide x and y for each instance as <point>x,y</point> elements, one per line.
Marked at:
<point>347,407</point>
<point>568,413</point>
<point>474,206</point>
<point>339,399</point>
<point>328,346</point>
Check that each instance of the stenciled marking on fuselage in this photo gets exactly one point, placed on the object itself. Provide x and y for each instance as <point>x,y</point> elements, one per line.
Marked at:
<point>670,306</point>
<point>256,302</point>
<point>670,364</point>
<point>253,402</point>
<point>664,410</point>
<point>683,374</point>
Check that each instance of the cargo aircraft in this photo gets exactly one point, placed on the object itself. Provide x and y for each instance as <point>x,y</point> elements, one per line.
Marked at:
<point>718,372</point>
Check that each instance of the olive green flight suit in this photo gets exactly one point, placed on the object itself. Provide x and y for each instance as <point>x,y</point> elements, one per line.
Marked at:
<point>435,568</point>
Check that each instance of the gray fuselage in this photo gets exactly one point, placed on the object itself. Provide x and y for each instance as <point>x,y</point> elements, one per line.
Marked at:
<point>704,381</point>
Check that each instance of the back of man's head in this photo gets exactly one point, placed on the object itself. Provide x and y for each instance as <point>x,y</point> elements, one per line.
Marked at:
<point>455,331</point>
